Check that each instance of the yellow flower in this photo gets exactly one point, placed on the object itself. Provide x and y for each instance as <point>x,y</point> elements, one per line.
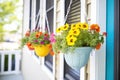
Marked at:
<point>71,31</point>
<point>79,25</point>
<point>76,32</point>
<point>59,29</point>
<point>71,41</point>
<point>73,26</point>
<point>84,26</point>
<point>66,26</point>
<point>69,36</point>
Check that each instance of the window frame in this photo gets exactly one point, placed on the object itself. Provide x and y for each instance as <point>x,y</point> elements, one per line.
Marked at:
<point>44,67</point>
<point>116,41</point>
<point>32,25</point>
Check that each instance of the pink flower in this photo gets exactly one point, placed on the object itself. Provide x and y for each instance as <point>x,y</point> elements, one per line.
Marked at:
<point>52,38</point>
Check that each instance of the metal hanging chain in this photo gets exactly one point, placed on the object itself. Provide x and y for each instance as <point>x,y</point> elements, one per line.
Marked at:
<point>68,10</point>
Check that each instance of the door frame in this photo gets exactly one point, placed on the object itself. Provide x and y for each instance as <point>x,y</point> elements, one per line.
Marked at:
<point>116,40</point>
<point>110,40</point>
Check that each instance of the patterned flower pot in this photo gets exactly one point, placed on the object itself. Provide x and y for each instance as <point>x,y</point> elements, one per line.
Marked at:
<point>42,50</point>
<point>78,58</point>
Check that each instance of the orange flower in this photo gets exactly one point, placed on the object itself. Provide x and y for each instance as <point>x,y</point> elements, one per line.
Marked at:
<point>51,53</point>
<point>27,34</point>
<point>38,34</point>
<point>29,45</point>
<point>50,46</point>
<point>98,46</point>
<point>95,27</point>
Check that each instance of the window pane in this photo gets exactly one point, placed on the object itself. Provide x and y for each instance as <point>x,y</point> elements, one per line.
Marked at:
<point>6,63</point>
<point>70,73</point>
<point>30,15</point>
<point>49,62</point>
<point>13,62</point>
<point>50,19</point>
<point>37,6</point>
<point>0,62</point>
<point>49,4</point>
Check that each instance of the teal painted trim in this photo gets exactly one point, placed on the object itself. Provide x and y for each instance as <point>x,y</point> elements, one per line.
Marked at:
<point>110,40</point>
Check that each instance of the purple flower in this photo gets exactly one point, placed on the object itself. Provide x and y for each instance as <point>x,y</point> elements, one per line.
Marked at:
<point>45,38</point>
<point>35,40</point>
<point>42,42</point>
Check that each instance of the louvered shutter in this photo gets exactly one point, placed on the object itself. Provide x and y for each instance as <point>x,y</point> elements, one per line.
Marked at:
<point>74,14</point>
<point>73,17</point>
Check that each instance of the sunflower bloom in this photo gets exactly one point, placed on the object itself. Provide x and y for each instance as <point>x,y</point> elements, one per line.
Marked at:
<point>59,29</point>
<point>79,25</point>
<point>73,26</point>
<point>66,26</point>
<point>76,32</point>
<point>69,36</point>
<point>71,41</point>
<point>95,27</point>
<point>84,26</point>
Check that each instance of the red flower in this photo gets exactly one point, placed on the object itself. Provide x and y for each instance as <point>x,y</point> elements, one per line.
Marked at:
<point>46,35</point>
<point>104,34</point>
<point>98,46</point>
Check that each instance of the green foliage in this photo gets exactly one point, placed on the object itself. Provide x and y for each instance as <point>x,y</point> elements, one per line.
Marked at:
<point>35,38</point>
<point>87,37</point>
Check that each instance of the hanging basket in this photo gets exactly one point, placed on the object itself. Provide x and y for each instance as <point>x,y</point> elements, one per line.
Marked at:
<point>42,50</point>
<point>78,58</point>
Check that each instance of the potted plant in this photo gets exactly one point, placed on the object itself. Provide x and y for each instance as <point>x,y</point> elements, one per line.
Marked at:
<point>76,42</point>
<point>38,41</point>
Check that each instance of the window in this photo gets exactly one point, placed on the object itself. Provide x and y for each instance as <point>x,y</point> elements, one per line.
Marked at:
<point>30,15</point>
<point>49,27</point>
<point>37,18</point>
<point>34,17</point>
<point>88,7</point>
<point>73,17</point>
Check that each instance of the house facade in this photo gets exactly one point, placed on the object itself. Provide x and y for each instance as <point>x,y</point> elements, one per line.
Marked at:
<point>50,14</point>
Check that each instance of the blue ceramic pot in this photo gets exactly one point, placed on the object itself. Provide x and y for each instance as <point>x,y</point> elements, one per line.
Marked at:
<point>78,58</point>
